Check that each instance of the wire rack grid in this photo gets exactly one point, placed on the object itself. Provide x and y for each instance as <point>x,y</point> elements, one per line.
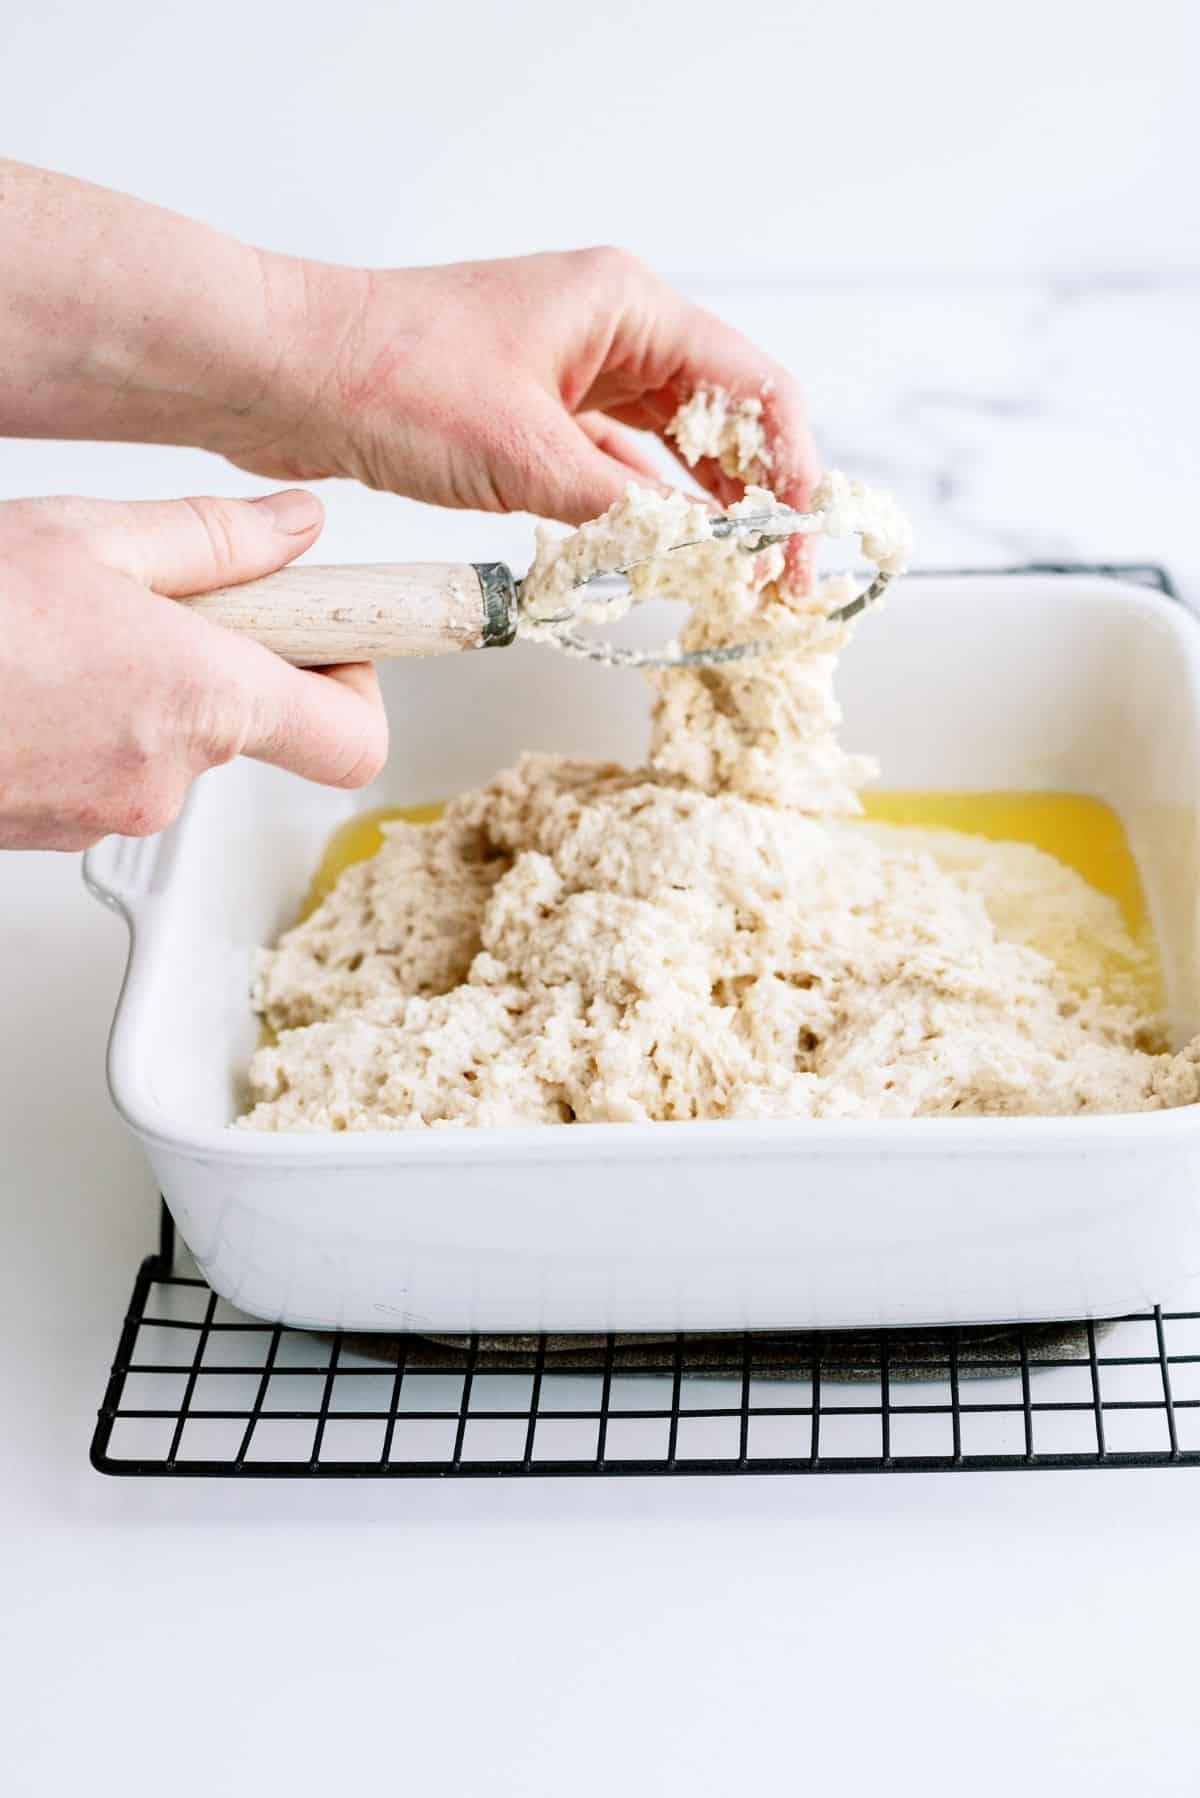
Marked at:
<point>197,1389</point>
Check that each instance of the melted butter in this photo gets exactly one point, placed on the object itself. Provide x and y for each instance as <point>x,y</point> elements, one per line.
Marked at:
<point>1081,831</point>
<point>1076,829</point>
<point>357,841</point>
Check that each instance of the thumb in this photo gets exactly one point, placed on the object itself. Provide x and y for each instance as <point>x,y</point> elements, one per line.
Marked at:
<point>179,547</point>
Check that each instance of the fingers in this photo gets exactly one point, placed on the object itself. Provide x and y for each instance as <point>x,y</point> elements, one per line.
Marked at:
<point>715,355</point>
<point>185,546</point>
<point>359,677</point>
<point>329,726</point>
<point>621,446</point>
<point>222,695</point>
<point>561,471</point>
<point>660,348</point>
<point>683,348</point>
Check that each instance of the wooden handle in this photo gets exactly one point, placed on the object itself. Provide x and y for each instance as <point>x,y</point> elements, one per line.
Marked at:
<point>315,617</point>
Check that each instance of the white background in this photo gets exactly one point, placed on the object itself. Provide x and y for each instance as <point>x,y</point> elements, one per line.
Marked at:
<point>917,137</point>
<point>973,232</point>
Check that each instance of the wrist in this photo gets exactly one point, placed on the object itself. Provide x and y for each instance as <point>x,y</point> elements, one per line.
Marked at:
<point>296,386</point>
<point>121,321</point>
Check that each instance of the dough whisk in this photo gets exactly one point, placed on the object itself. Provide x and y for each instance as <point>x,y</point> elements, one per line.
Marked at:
<point>320,616</point>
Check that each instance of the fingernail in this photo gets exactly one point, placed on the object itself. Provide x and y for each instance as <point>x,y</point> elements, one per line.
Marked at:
<point>292,512</point>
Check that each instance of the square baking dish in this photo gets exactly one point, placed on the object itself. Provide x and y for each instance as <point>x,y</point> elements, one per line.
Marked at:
<point>1074,683</point>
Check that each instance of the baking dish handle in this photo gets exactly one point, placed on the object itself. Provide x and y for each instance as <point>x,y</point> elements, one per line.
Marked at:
<point>120,871</point>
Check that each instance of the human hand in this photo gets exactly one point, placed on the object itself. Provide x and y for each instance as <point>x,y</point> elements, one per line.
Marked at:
<point>504,386</point>
<point>113,699</point>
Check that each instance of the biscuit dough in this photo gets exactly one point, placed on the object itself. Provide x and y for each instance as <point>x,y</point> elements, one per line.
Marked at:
<point>715,935</point>
<point>712,426</point>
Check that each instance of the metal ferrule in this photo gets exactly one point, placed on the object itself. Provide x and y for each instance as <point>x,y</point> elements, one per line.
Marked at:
<point>499,593</point>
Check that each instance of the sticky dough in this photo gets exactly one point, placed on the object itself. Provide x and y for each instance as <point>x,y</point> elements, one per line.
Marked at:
<point>717,934</point>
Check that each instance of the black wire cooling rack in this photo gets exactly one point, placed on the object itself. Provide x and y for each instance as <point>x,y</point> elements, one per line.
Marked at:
<point>199,1390</point>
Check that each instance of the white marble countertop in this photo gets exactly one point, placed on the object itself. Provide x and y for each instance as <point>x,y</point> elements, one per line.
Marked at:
<point>685,1636</point>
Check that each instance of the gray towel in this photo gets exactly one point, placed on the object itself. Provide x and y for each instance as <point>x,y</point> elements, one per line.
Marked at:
<point>992,1352</point>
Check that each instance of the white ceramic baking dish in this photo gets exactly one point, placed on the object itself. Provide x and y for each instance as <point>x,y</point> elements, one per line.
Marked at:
<point>986,682</point>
